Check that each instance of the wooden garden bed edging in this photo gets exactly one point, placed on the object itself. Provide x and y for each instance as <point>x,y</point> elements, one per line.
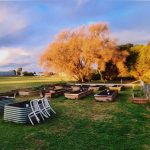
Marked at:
<point>55,93</point>
<point>138,100</point>
<point>106,98</point>
<point>79,95</point>
<point>29,92</point>
<point>117,88</point>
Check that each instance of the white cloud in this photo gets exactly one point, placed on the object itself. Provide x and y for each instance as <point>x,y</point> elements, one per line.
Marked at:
<point>12,55</point>
<point>131,36</point>
<point>25,57</point>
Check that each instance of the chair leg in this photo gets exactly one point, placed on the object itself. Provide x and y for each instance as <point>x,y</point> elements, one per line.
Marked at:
<point>42,116</point>
<point>31,120</point>
<point>38,120</point>
<point>52,110</point>
<point>47,112</point>
<point>44,113</point>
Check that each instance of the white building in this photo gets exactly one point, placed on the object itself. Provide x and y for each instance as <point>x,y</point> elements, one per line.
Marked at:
<point>39,74</point>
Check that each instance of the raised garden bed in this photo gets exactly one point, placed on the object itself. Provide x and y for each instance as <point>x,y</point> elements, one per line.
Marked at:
<point>17,112</point>
<point>5,101</point>
<point>10,93</point>
<point>75,88</point>
<point>116,87</point>
<point>29,92</point>
<point>58,87</point>
<point>67,87</point>
<point>96,87</point>
<point>78,94</point>
<point>139,97</point>
<point>85,87</point>
<point>55,93</point>
<point>139,100</point>
<point>106,96</point>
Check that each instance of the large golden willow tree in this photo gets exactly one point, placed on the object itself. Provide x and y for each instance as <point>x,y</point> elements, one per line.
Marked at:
<point>75,52</point>
<point>141,68</point>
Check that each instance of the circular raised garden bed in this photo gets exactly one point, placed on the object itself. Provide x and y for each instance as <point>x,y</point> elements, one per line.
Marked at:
<point>138,100</point>
<point>17,112</point>
<point>5,101</point>
<point>10,93</point>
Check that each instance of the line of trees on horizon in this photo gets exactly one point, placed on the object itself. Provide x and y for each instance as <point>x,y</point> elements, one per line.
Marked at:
<point>90,50</point>
<point>19,72</point>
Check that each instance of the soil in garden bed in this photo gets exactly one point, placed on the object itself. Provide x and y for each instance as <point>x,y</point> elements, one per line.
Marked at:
<point>117,86</point>
<point>10,93</point>
<point>21,104</point>
<point>77,92</point>
<point>57,90</point>
<point>5,98</point>
<point>85,87</point>
<point>100,87</point>
<point>106,93</point>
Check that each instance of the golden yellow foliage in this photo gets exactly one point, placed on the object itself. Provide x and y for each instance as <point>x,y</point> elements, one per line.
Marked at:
<point>75,51</point>
<point>141,69</point>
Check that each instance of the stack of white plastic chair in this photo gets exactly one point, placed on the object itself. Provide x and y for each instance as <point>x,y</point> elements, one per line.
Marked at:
<point>35,111</point>
<point>47,107</point>
<point>40,107</point>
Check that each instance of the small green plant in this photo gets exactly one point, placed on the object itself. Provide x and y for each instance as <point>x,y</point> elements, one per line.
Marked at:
<point>137,88</point>
<point>139,93</point>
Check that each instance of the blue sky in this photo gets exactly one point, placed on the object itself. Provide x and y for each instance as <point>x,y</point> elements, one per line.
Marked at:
<point>27,26</point>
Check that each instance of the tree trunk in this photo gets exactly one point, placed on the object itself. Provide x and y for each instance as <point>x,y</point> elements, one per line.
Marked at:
<point>101,75</point>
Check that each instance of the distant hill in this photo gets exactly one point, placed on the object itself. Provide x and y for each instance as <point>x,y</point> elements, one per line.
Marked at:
<point>8,73</point>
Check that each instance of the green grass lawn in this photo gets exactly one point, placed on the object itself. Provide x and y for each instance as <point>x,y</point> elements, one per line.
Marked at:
<point>11,83</point>
<point>83,124</point>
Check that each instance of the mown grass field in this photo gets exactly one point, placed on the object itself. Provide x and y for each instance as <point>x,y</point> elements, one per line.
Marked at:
<point>81,125</point>
<point>11,83</point>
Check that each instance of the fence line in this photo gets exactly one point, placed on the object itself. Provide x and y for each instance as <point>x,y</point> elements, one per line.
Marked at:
<point>108,84</point>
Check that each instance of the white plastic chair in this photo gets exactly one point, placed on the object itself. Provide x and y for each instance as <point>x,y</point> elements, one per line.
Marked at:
<point>42,108</point>
<point>47,106</point>
<point>35,111</point>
